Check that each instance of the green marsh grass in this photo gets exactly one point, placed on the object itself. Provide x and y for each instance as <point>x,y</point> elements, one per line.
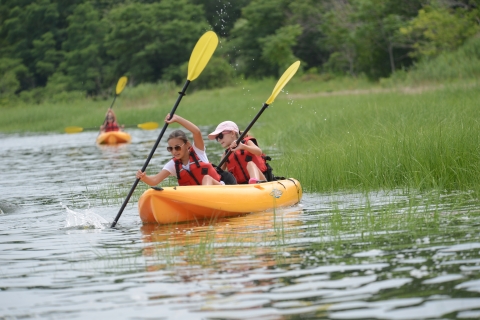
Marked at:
<point>125,261</point>
<point>416,219</point>
<point>114,194</point>
<point>426,140</point>
<point>326,134</point>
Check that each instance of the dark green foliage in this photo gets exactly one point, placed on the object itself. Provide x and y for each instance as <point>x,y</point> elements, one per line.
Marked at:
<point>222,15</point>
<point>147,38</point>
<point>260,19</point>
<point>364,36</point>
<point>10,71</point>
<point>84,50</point>
<point>49,47</point>
<point>29,32</point>
<point>311,45</point>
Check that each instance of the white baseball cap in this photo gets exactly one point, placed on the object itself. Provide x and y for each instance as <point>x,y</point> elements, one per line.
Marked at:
<point>223,126</point>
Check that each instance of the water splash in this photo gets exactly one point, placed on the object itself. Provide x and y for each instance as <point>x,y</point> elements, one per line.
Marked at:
<point>85,220</point>
<point>276,193</point>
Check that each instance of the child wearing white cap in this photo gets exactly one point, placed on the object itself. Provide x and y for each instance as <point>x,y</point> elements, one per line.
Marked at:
<point>246,161</point>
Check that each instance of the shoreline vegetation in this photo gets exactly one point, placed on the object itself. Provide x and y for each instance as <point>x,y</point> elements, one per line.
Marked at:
<point>418,130</point>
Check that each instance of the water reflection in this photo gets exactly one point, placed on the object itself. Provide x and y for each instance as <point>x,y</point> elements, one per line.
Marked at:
<point>242,240</point>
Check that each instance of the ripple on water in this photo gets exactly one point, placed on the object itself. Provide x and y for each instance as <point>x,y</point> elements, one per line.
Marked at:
<point>384,255</point>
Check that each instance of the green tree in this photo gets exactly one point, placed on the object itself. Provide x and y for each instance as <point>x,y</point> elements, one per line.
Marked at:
<point>29,32</point>
<point>11,70</point>
<point>85,57</point>
<point>436,30</point>
<point>340,37</point>
<point>382,50</point>
<point>277,48</point>
<point>311,45</point>
<point>260,20</point>
<point>144,39</point>
<point>364,34</point>
<point>46,56</point>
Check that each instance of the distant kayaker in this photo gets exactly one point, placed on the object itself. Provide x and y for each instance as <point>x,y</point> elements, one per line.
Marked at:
<point>189,163</point>
<point>246,161</point>
<point>110,123</point>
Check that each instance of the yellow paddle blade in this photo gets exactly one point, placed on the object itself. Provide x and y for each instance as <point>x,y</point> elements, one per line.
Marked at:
<point>122,82</point>
<point>148,125</point>
<point>73,129</point>
<point>287,75</point>
<point>201,54</point>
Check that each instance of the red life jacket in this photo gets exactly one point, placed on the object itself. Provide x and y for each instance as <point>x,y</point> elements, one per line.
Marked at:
<point>238,160</point>
<point>113,126</point>
<point>198,169</point>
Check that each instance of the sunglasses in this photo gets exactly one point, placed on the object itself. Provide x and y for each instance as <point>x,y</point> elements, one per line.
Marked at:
<point>177,148</point>
<point>220,135</point>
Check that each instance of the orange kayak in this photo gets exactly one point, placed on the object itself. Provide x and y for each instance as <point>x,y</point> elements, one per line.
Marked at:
<point>188,203</point>
<point>113,137</point>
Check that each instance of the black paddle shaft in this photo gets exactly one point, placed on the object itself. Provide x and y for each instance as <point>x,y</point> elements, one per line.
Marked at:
<point>244,133</point>
<point>180,96</point>
<point>114,98</point>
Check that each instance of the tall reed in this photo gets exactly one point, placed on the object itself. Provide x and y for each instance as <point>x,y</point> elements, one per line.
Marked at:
<point>386,140</point>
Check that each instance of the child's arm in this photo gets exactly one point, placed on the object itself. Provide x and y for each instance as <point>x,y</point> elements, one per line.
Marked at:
<point>197,134</point>
<point>153,180</point>
<point>249,146</point>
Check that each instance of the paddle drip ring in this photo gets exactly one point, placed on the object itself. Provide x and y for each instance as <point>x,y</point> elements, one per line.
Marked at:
<point>276,193</point>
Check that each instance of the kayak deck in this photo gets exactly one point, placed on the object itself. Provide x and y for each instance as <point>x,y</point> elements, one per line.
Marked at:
<point>188,203</point>
<point>113,137</point>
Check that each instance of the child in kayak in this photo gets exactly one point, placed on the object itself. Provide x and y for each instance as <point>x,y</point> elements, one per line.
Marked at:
<point>189,163</point>
<point>246,162</point>
<point>110,123</point>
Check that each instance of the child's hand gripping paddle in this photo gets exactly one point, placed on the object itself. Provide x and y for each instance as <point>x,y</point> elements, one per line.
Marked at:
<point>287,75</point>
<point>201,54</point>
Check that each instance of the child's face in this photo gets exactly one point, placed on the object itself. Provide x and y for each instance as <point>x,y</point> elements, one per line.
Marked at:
<point>226,138</point>
<point>177,147</point>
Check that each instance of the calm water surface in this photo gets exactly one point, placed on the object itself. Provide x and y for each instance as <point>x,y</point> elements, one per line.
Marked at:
<point>383,255</point>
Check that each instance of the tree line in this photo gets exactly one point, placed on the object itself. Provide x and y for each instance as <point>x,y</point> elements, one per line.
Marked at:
<point>49,47</point>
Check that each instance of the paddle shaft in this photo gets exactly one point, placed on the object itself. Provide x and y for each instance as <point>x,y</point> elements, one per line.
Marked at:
<point>111,106</point>
<point>180,96</point>
<point>244,133</point>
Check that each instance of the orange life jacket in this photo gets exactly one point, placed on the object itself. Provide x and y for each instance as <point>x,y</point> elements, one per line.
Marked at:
<point>238,160</point>
<point>198,169</point>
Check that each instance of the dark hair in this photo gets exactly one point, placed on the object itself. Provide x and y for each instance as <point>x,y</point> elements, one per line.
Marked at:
<point>179,134</point>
